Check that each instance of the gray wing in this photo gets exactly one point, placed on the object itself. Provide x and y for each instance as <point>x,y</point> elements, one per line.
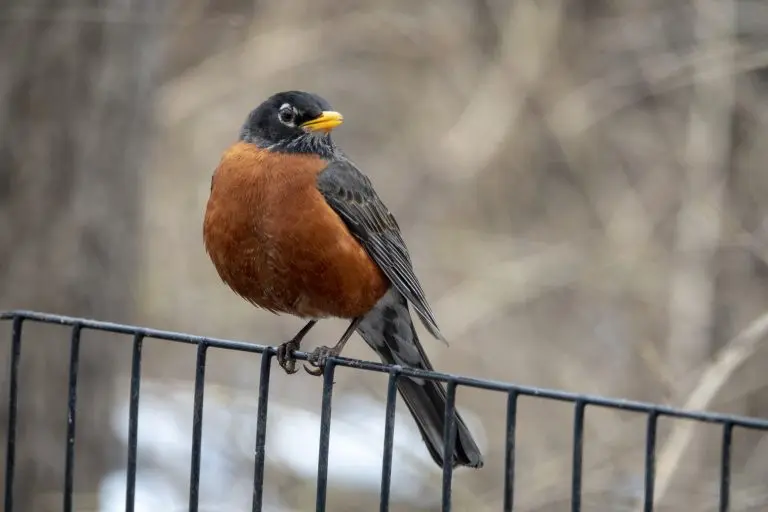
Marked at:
<point>350,194</point>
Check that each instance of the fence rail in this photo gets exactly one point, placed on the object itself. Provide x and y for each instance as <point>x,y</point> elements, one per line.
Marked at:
<point>139,334</point>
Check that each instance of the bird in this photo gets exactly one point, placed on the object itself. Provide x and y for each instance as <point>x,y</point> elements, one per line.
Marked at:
<point>293,226</point>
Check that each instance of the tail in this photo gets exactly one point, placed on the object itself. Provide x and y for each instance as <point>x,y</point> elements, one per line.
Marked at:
<point>388,329</point>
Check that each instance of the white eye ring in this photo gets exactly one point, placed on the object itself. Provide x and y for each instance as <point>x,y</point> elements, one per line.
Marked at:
<point>287,115</point>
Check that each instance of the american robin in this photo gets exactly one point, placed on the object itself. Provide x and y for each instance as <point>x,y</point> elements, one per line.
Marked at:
<point>293,226</point>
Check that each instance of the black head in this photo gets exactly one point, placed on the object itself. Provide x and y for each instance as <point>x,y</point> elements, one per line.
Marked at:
<point>293,122</point>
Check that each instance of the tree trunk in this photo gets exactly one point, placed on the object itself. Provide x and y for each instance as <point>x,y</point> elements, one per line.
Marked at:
<point>76,84</point>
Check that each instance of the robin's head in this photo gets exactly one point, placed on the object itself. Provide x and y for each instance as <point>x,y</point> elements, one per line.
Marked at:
<point>293,122</point>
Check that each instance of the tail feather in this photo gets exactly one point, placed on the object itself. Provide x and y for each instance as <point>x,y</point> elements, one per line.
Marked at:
<point>426,401</point>
<point>389,330</point>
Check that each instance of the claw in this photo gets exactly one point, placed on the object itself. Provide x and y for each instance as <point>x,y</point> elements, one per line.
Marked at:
<point>317,372</point>
<point>285,356</point>
<point>318,357</point>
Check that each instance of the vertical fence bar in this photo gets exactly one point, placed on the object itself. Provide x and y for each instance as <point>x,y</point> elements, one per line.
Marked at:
<point>509,455</point>
<point>133,423</point>
<point>197,427</point>
<point>13,408</point>
<point>325,436</point>
<point>261,431</point>
<point>389,439</point>
<point>449,441</point>
<point>578,450</point>
<point>69,463</point>
<point>650,460</point>
<point>725,467</point>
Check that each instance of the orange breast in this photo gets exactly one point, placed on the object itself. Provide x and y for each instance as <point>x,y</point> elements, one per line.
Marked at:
<point>275,241</point>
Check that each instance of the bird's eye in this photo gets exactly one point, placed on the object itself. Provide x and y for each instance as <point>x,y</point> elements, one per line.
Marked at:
<point>287,115</point>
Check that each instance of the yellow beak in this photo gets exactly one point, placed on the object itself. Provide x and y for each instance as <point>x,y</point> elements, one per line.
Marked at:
<point>327,121</point>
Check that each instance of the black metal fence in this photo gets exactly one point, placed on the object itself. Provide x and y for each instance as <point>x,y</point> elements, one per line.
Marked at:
<point>653,412</point>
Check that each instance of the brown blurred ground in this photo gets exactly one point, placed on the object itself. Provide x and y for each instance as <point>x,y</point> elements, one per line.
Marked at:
<point>582,185</point>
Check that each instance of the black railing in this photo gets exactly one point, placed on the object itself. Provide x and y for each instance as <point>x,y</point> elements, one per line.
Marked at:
<point>139,334</point>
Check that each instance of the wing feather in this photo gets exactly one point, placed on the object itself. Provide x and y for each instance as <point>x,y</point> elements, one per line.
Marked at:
<point>350,194</point>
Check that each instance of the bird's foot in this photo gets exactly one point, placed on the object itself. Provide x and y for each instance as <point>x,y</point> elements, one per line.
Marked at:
<point>285,357</point>
<point>318,358</point>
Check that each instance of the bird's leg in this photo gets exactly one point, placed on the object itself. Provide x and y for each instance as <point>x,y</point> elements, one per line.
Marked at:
<point>318,356</point>
<point>285,351</point>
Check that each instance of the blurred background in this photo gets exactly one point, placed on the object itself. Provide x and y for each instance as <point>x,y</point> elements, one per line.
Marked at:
<point>581,183</point>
